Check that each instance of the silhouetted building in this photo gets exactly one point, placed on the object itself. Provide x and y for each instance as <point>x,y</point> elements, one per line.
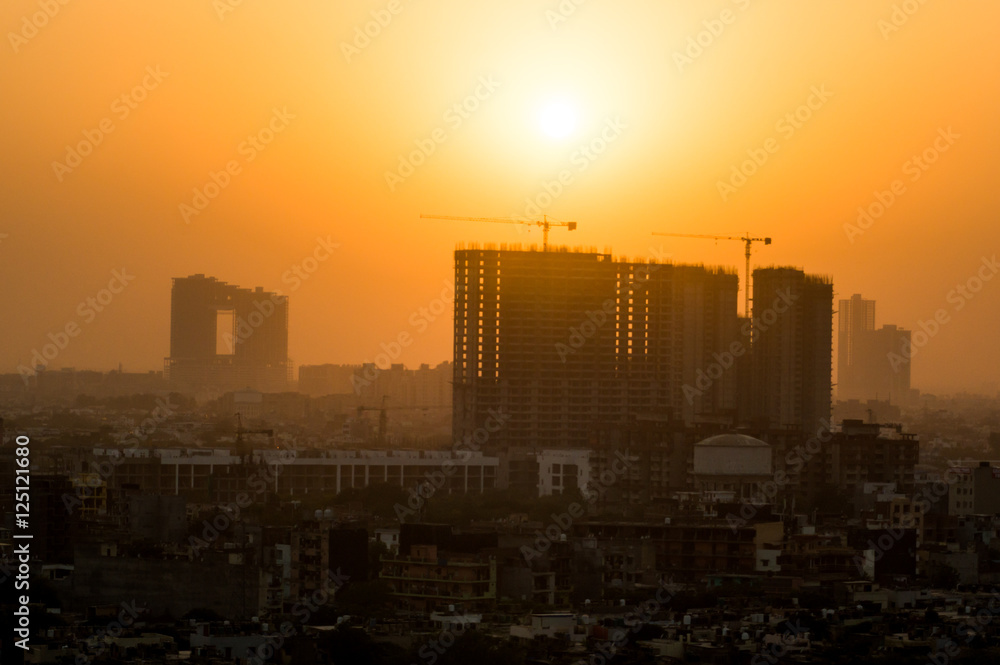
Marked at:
<point>321,548</point>
<point>8,464</point>
<point>69,383</point>
<point>53,528</point>
<point>319,380</point>
<point>223,337</point>
<point>437,567</point>
<point>792,347</point>
<point>732,466</point>
<point>689,550</point>
<point>558,340</point>
<point>886,371</point>
<point>805,466</point>
<point>369,383</point>
<point>856,317</point>
<point>157,518</point>
<point>349,552</point>
<point>867,453</point>
<point>888,564</point>
<point>204,475</point>
<point>679,340</point>
<point>976,490</point>
<point>866,368</point>
<point>219,581</point>
<point>663,453</point>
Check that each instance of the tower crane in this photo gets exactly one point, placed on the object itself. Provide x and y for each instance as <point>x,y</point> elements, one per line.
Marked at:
<point>383,417</point>
<point>242,448</point>
<point>746,239</point>
<point>544,222</point>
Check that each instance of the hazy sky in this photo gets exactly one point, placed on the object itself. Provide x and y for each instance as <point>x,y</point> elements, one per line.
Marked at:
<point>114,114</point>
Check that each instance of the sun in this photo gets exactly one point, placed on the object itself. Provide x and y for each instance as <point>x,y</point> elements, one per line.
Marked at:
<point>557,120</point>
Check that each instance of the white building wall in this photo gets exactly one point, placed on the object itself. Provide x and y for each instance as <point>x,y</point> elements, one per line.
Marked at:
<point>555,478</point>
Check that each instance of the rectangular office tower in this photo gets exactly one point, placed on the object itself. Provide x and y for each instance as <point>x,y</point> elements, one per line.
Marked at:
<point>792,348</point>
<point>223,337</point>
<point>856,317</point>
<point>886,373</point>
<point>548,344</point>
<point>869,360</point>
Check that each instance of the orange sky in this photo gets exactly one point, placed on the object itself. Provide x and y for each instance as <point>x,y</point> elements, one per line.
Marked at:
<point>200,80</point>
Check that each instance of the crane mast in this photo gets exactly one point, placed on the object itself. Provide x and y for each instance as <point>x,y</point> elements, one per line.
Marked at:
<point>545,223</point>
<point>747,240</point>
<point>383,417</point>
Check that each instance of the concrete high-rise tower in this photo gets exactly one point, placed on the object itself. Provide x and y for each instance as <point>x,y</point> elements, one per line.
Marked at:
<point>792,347</point>
<point>223,337</point>
<point>554,342</point>
<point>856,317</point>
<point>886,371</point>
<point>870,364</point>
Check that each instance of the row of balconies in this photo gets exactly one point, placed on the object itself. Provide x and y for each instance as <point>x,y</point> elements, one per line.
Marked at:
<point>728,551</point>
<point>436,592</point>
<point>410,577</point>
<point>714,564</point>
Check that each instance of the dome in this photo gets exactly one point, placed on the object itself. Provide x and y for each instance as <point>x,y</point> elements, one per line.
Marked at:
<point>732,440</point>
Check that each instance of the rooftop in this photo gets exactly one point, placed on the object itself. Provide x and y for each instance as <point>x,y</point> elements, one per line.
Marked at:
<point>733,440</point>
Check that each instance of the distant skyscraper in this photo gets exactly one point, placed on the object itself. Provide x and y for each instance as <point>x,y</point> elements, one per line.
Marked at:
<point>223,337</point>
<point>856,317</point>
<point>887,380</point>
<point>864,370</point>
<point>792,347</point>
<point>558,341</point>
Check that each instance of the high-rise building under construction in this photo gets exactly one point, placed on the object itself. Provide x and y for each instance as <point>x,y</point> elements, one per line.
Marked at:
<point>549,343</point>
<point>223,337</point>
<point>792,348</point>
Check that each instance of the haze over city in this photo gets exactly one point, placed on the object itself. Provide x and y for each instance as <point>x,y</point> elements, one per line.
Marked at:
<point>325,144</point>
<point>555,331</point>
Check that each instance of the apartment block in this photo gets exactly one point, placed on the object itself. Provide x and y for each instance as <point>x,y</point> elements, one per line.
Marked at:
<point>559,340</point>
<point>219,475</point>
<point>223,337</point>
<point>856,317</point>
<point>870,360</point>
<point>689,551</point>
<point>792,348</point>
<point>438,567</point>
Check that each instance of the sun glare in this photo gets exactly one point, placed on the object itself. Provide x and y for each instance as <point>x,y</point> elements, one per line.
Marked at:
<point>558,120</point>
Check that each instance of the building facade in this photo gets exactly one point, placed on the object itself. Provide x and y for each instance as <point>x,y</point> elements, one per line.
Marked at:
<point>870,361</point>
<point>219,475</point>
<point>792,348</point>
<point>223,337</point>
<point>856,317</point>
<point>558,340</point>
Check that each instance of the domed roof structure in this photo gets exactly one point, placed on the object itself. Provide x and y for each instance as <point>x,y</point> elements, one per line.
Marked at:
<point>732,440</point>
<point>732,455</point>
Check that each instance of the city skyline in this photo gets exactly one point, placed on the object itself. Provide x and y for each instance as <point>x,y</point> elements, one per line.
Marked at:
<point>180,146</point>
<point>890,346</point>
<point>540,331</point>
